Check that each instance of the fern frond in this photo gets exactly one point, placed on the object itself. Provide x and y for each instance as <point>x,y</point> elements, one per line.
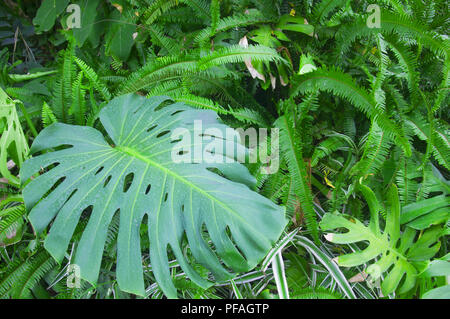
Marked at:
<point>440,140</point>
<point>291,150</point>
<point>170,88</point>
<point>78,108</point>
<point>408,62</point>
<point>215,15</point>
<point>63,86</point>
<point>10,220</point>
<point>94,79</point>
<point>376,150</point>
<point>337,82</point>
<point>22,275</point>
<point>400,24</point>
<point>236,54</point>
<point>323,9</point>
<point>228,23</point>
<point>156,9</point>
<point>245,115</point>
<point>325,148</point>
<point>405,178</point>
<point>159,7</point>
<point>162,69</point>
<point>162,40</point>
<point>48,117</point>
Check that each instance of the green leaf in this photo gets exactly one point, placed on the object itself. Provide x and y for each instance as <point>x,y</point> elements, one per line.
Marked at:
<point>236,53</point>
<point>328,263</point>
<point>186,203</point>
<point>397,251</point>
<point>88,10</point>
<point>296,24</point>
<point>335,81</point>
<point>280,276</point>
<point>11,225</point>
<point>437,268</point>
<point>438,216</point>
<point>21,275</point>
<point>120,36</point>
<point>438,293</point>
<point>13,144</point>
<point>421,208</point>
<point>47,13</point>
<point>291,148</point>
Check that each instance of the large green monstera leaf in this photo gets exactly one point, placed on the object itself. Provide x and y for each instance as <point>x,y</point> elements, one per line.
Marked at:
<point>135,175</point>
<point>400,255</point>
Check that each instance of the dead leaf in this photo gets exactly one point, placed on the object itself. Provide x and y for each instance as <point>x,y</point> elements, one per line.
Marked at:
<point>118,7</point>
<point>248,63</point>
<point>362,276</point>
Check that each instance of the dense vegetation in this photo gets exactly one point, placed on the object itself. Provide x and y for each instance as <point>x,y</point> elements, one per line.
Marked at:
<point>359,206</point>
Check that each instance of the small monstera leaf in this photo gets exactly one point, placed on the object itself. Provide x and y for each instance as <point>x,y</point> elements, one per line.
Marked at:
<point>225,223</point>
<point>13,144</point>
<point>399,254</point>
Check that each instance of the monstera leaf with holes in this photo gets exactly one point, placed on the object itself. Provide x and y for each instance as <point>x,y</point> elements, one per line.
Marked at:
<point>400,255</point>
<point>208,206</point>
<point>13,143</point>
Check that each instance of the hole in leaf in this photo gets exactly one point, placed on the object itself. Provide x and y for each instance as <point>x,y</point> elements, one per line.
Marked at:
<point>230,235</point>
<point>108,179</point>
<point>176,112</point>
<point>162,134</point>
<point>151,128</point>
<point>87,212</point>
<point>128,180</point>
<point>57,183</point>
<point>176,141</point>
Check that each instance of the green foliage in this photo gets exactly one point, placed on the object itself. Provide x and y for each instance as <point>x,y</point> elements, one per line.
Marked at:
<point>359,115</point>
<point>399,251</point>
<point>21,276</point>
<point>13,143</point>
<point>291,149</point>
<point>137,173</point>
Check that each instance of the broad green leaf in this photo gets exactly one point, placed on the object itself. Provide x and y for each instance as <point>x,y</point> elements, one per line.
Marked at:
<point>438,216</point>
<point>437,268</point>
<point>47,13</point>
<point>120,35</point>
<point>88,10</point>
<point>397,251</point>
<point>417,209</point>
<point>438,293</point>
<point>186,203</point>
<point>297,24</point>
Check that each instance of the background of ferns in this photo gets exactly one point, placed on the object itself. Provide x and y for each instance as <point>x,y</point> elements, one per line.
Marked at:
<point>355,106</point>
